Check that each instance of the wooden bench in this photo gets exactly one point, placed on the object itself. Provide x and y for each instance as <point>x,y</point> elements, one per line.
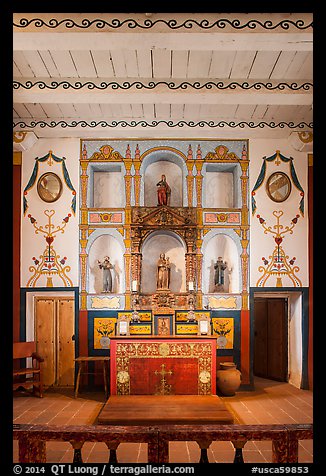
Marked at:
<point>31,375</point>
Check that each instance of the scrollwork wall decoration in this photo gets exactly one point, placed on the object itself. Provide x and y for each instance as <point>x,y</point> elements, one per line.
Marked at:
<point>152,124</point>
<point>172,24</point>
<point>220,85</point>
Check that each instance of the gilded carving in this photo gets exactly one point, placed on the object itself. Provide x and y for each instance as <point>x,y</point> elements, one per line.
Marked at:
<point>106,153</point>
<point>221,152</point>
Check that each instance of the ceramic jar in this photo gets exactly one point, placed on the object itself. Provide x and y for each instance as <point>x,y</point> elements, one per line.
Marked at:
<point>228,378</point>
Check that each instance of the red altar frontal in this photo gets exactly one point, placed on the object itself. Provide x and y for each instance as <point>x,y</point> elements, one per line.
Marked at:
<point>178,365</point>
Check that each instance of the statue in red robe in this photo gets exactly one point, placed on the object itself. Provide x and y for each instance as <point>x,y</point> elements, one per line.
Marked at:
<point>163,192</point>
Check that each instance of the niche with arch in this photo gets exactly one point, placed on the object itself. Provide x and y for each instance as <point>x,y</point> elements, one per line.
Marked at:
<point>170,244</point>
<point>221,245</point>
<point>105,245</point>
<point>156,164</point>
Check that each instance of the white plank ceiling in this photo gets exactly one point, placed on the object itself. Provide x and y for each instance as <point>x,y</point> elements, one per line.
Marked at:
<point>113,82</point>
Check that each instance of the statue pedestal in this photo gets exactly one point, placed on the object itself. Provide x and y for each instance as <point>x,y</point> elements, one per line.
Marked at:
<point>219,288</point>
<point>163,299</point>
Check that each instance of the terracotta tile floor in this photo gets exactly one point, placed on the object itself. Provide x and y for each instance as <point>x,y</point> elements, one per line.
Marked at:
<point>271,403</point>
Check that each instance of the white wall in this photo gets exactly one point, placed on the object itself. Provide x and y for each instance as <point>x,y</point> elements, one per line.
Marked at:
<point>295,339</point>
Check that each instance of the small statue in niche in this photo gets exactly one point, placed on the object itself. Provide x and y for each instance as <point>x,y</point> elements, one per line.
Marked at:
<point>220,268</point>
<point>107,276</point>
<point>163,326</point>
<point>191,303</point>
<point>163,192</point>
<point>163,272</point>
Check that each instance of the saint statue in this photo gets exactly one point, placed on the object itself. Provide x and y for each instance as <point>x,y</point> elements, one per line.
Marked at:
<point>107,277</point>
<point>219,267</point>
<point>163,192</point>
<point>163,272</point>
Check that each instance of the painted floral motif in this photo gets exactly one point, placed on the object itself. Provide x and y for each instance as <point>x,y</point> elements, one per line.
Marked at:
<point>49,263</point>
<point>223,328</point>
<point>278,263</point>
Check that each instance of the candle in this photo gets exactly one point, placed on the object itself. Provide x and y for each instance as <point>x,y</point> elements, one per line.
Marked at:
<point>191,285</point>
<point>134,285</point>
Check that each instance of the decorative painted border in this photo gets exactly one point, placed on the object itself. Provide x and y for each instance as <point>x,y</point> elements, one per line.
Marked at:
<point>153,84</point>
<point>115,218</point>
<point>172,24</point>
<point>143,123</point>
<point>225,218</point>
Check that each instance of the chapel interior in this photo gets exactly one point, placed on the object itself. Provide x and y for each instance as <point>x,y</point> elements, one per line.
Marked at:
<point>162,241</point>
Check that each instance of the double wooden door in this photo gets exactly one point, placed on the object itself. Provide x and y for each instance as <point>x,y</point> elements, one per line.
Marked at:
<point>54,335</point>
<point>271,338</point>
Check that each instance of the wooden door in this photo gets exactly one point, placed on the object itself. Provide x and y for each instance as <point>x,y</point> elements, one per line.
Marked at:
<point>271,338</point>
<point>66,347</point>
<point>45,337</point>
<point>54,330</point>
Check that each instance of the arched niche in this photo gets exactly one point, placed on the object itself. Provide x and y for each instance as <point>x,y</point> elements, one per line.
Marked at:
<point>172,165</point>
<point>221,244</point>
<point>105,245</point>
<point>173,247</point>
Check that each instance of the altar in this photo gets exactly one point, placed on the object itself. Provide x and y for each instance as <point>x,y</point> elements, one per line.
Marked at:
<point>165,365</point>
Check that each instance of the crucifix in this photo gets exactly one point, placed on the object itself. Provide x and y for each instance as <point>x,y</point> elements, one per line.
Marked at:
<point>163,388</point>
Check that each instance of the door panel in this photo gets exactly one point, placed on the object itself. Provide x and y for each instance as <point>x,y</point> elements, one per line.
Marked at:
<point>45,337</point>
<point>271,338</point>
<point>54,330</point>
<point>277,347</point>
<point>260,339</point>
<point>66,347</point>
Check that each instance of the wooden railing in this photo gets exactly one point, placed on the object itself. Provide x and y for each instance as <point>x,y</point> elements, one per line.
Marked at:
<point>32,439</point>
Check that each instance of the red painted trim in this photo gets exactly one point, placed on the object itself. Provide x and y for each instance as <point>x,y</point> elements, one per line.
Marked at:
<point>311,276</point>
<point>245,346</point>
<point>83,333</point>
<point>16,250</point>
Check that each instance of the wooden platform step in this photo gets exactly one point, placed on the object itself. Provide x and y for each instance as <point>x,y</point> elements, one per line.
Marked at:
<point>164,410</point>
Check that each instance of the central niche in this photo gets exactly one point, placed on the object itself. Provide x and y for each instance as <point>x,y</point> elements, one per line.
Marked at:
<point>170,244</point>
<point>156,164</point>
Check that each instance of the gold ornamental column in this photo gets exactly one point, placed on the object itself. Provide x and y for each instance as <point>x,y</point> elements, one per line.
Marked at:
<point>83,232</point>
<point>199,181</point>
<point>244,233</point>
<point>190,181</point>
<point>137,181</point>
<point>199,264</point>
<point>128,179</point>
<point>127,258</point>
<point>127,241</point>
<point>199,162</point>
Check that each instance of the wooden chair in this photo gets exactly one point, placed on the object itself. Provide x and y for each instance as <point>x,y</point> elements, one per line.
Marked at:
<point>32,375</point>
